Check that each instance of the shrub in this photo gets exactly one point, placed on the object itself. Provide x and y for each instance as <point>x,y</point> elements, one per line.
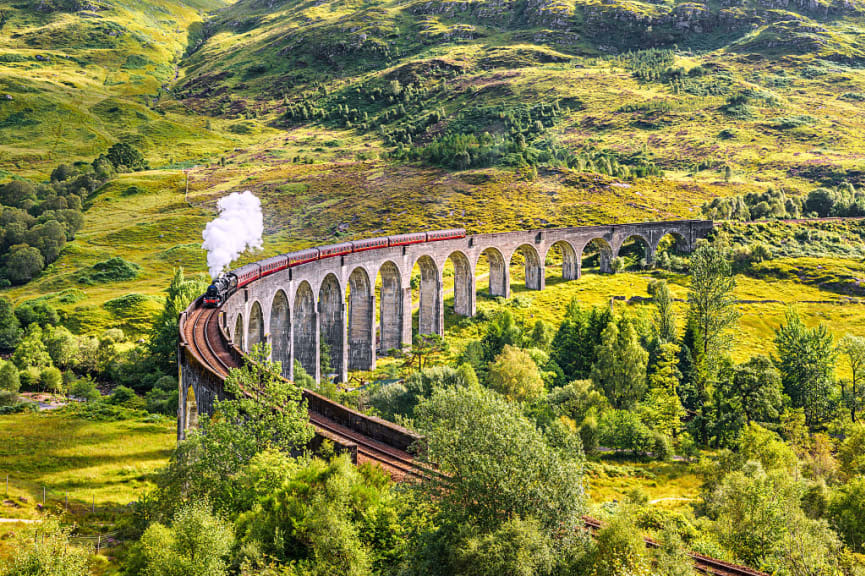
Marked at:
<point>85,389</point>
<point>51,379</point>
<point>112,270</point>
<point>9,379</point>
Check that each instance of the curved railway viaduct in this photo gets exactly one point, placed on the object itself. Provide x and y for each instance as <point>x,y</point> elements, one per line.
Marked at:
<point>282,309</point>
<point>335,301</point>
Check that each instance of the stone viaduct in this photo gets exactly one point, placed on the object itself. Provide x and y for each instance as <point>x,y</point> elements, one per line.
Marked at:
<point>335,300</point>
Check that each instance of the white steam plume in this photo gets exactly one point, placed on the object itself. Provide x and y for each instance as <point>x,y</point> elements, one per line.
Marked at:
<point>238,227</point>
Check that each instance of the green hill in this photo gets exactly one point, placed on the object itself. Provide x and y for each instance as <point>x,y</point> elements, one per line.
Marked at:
<point>349,118</point>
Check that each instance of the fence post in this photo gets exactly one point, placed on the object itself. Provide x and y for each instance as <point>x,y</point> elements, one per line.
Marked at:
<point>43,496</point>
<point>98,543</point>
<point>7,485</point>
<point>67,501</point>
<point>93,507</point>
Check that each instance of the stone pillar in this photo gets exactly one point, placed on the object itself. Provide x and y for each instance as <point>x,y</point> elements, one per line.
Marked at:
<point>406,314</point>
<point>439,314</point>
<point>316,355</point>
<point>371,324</point>
<point>342,363</point>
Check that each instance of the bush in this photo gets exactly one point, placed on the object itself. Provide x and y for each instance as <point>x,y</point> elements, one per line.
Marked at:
<point>51,379</point>
<point>124,396</point>
<point>85,389</point>
<point>112,270</point>
<point>623,430</point>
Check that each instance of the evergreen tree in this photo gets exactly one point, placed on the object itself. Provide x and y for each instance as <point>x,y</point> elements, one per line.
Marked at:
<point>665,316</point>
<point>662,409</point>
<point>620,368</point>
<point>163,336</point>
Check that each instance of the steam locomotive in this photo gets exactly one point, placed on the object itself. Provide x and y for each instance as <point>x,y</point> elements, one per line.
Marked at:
<point>228,284</point>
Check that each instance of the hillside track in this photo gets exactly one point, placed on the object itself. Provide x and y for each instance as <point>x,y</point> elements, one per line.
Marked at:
<point>201,331</point>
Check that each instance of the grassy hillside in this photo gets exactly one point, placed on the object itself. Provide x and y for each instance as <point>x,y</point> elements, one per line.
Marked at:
<point>75,77</point>
<point>354,118</point>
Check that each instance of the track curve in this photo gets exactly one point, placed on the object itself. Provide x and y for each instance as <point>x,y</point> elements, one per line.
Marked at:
<point>200,330</point>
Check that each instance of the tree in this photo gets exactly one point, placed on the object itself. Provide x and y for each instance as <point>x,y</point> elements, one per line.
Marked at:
<point>196,544</point>
<point>623,430</point>
<point>751,508</point>
<point>619,548</point>
<point>62,346</point>
<point>502,331</point>
<point>851,453</point>
<point>125,158</point>
<point>496,463</point>
<point>847,513</point>
<point>620,368</point>
<point>764,446</point>
<point>46,550</point>
<point>17,193</point>
<point>261,411</point>
<point>711,308</point>
<point>39,312</point>
<point>31,352</point>
<point>574,346</point>
<point>755,389</point>
<point>162,344</point>
<point>9,380</point>
<point>662,409</point>
<point>49,238</point>
<point>853,348</point>
<point>542,335</point>
<point>426,347</point>
<point>323,517</point>
<point>51,380</point>
<point>10,328</point>
<point>806,360</point>
<point>665,316</point>
<point>514,374</point>
<point>23,263</point>
<point>517,548</point>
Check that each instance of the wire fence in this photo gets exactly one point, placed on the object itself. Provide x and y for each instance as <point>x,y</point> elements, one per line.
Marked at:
<point>18,495</point>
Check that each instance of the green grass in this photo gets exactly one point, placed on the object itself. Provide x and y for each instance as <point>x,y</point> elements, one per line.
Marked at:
<point>109,463</point>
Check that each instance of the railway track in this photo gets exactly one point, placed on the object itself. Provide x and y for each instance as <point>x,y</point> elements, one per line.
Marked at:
<point>703,564</point>
<point>202,332</point>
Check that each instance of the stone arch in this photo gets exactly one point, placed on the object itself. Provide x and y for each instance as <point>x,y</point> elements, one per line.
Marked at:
<point>237,335</point>
<point>570,263</point>
<point>671,240</point>
<point>190,409</point>
<point>280,333</point>
<point>331,319</point>
<point>464,290</point>
<point>534,271</point>
<point>256,326</point>
<point>305,330</point>
<point>430,296</point>
<point>597,247</point>
<point>361,321</point>
<point>637,248</point>
<point>499,277</point>
<point>390,307</point>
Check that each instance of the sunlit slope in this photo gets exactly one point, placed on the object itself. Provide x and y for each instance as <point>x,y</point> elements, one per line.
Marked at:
<point>75,77</point>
